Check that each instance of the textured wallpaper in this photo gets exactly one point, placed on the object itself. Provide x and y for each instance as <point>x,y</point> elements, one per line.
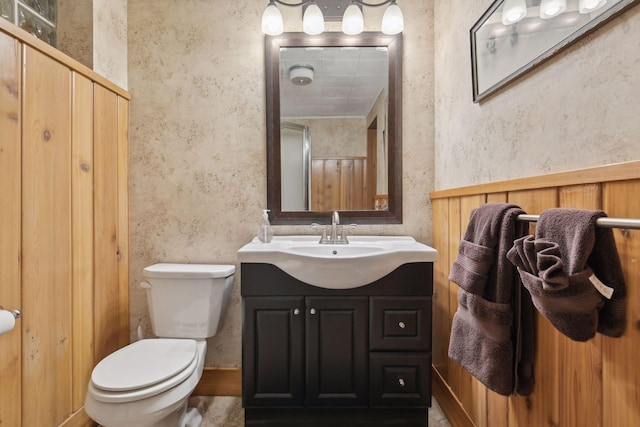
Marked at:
<point>579,109</point>
<point>94,33</point>
<point>110,40</point>
<point>198,138</point>
<point>75,30</point>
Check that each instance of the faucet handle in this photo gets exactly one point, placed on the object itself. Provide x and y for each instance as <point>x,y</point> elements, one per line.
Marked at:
<point>323,237</point>
<point>343,232</point>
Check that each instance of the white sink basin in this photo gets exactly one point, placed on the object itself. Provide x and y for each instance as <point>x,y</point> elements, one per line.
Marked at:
<point>363,261</point>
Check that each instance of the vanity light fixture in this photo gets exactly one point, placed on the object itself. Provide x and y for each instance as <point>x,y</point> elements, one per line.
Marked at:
<point>552,8</point>
<point>513,11</point>
<point>588,6</point>
<point>313,19</point>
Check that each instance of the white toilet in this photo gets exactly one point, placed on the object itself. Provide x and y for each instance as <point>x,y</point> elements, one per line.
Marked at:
<point>148,382</point>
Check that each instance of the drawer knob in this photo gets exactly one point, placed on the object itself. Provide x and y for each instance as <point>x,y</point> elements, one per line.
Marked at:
<point>296,311</point>
<point>401,382</point>
<point>402,325</point>
<point>312,311</point>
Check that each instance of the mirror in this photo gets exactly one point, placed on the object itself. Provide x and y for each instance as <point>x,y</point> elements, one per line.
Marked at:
<point>334,128</point>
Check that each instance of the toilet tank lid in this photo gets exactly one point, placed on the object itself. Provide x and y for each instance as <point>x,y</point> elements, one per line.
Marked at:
<point>189,271</point>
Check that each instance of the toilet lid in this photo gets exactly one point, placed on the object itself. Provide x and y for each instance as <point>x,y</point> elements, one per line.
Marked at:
<point>188,271</point>
<point>143,364</point>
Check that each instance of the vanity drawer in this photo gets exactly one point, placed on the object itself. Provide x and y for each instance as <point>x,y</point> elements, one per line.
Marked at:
<point>400,323</point>
<point>400,379</point>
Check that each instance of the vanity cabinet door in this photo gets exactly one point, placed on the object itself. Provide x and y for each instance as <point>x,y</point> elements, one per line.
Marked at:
<point>337,351</point>
<point>273,351</point>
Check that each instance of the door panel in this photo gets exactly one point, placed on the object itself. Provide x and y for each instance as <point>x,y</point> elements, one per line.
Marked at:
<point>337,351</point>
<point>273,346</point>
<point>46,241</point>
<point>105,176</point>
<point>10,207</point>
<point>82,223</point>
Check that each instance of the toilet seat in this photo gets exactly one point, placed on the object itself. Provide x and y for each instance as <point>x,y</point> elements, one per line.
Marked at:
<point>143,369</point>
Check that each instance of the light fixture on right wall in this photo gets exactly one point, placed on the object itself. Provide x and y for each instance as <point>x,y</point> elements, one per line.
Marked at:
<point>588,6</point>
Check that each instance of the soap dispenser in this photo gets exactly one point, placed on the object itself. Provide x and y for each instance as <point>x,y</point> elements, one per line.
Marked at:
<point>265,234</point>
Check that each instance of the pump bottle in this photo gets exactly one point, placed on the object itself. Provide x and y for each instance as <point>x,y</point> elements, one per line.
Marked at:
<point>265,234</point>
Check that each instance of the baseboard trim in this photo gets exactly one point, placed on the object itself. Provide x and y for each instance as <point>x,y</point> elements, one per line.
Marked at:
<point>449,403</point>
<point>220,382</point>
<point>78,419</point>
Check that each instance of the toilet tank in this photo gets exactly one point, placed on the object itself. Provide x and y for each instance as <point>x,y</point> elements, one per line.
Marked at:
<point>187,300</point>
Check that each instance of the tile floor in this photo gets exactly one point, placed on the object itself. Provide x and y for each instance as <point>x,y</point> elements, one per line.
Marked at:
<point>222,411</point>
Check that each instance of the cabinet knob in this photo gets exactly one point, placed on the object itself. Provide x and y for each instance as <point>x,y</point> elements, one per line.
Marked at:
<point>296,311</point>
<point>402,325</point>
<point>401,382</point>
<point>312,311</point>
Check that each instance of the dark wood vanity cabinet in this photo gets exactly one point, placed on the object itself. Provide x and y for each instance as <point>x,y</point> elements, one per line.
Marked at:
<point>361,354</point>
<point>305,351</point>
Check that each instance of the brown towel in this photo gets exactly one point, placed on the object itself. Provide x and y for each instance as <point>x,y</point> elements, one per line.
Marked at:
<point>587,249</point>
<point>492,330</point>
<point>559,268</point>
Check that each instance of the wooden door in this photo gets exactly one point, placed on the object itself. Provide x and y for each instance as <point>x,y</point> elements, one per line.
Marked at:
<point>273,351</point>
<point>372,164</point>
<point>10,223</point>
<point>46,241</point>
<point>336,351</point>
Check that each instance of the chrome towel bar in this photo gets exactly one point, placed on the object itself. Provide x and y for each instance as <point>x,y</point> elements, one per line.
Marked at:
<point>626,223</point>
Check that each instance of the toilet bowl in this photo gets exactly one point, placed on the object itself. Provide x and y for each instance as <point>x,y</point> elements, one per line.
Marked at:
<point>140,393</point>
<point>148,382</point>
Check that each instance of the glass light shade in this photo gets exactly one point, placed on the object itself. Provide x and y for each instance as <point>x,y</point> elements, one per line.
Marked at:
<point>588,6</point>
<point>313,21</point>
<point>392,20</point>
<point>272,21</point>
<point>352,21</point>
<point>513,11</point>
<point>552,8</point>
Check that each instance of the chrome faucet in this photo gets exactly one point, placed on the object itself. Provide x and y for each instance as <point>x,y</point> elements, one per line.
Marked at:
<point>337,235</point>
<point>335,222</point>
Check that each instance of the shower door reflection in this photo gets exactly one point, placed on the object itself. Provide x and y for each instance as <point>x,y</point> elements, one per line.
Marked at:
<point>295,156</point>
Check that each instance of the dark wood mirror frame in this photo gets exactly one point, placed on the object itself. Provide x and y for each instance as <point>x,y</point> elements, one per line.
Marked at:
<point>394,127</point>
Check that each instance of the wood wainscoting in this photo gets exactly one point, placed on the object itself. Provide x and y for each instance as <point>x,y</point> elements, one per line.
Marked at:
<point>220,382</point>
<point>594,383</point>
<point>64,236</point>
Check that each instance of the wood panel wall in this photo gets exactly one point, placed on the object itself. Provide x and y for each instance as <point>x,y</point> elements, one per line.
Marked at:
<point>63,229</point>
<point>339,183</point>
<point>596,383</point>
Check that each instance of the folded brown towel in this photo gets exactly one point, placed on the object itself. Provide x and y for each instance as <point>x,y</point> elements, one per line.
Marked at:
<point>492,332</point>
<point>586,249</point>
<point>559,268</point>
